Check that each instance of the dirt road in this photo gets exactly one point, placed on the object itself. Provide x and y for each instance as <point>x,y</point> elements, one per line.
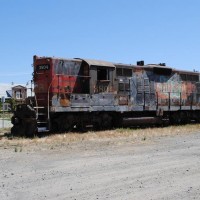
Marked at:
<point>161,168</point>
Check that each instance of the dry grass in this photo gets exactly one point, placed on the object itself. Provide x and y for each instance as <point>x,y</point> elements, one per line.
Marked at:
<point>110,137</point>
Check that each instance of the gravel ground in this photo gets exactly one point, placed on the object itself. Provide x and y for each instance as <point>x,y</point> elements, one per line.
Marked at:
<point>164,167</point>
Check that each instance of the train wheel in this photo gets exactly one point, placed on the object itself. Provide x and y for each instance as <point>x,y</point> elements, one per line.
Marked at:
<point>97,121</point>
<point>175,119</point>
<point>117,121</point>
<point>106,121</point>
<point>31,129</point>
<point>196,117</point>
<point>55,126</point>
<point>66,123</point>
<point>184,117</point>
<point>15,130</point>
<point>179,118</point>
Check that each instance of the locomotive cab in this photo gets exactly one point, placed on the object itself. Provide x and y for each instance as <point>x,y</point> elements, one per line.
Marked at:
<point>102,76</point>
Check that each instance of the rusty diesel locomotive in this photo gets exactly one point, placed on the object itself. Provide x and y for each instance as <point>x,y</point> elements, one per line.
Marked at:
<point>76,93</point>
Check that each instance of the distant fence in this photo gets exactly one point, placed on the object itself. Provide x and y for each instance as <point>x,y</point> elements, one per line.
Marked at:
<point>5,119</point>
<point>5,123</point>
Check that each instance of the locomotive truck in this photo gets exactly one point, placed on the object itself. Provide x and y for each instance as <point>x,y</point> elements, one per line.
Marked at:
<point>76,93</point>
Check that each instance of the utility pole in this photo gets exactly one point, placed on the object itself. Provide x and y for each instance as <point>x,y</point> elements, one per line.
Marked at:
<point>31,87</point>
<point>3,100</point>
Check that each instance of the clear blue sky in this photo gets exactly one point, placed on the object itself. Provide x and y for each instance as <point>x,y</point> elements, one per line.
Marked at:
<point>115,30</point>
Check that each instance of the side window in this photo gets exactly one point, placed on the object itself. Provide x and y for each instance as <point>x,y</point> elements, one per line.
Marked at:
<point>127,72</point>
<point>189,77</point>
<point>183,77</point>
<point>102,74</point>
<point>124,72</point>
<point>18,95</point>
<point>119,72</point>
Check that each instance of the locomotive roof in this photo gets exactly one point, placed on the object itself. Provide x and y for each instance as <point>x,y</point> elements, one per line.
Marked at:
<point>92,62</point>
<point>186,72</point>
<point>124,65</point>
<point>152,66</point>
<point>55,58</point>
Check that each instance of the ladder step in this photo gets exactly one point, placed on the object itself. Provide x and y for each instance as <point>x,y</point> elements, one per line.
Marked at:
<point>41,113</point>
<point>42,129</point>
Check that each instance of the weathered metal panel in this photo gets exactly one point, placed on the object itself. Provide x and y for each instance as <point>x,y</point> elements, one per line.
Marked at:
<point>133,90</point>
<point>66,77</point>
<point>103,99</point>
<point>80,99</point>
<point>178,93</point>
<point>60,100</point>
<point>123,99</point>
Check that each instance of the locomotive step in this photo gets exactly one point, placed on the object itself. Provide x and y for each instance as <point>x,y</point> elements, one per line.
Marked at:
<point>41,122</point>
<point>42,129</point>
<point>41,113</point>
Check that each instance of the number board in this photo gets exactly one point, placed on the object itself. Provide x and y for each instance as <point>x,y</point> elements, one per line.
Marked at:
<point>42,67</point>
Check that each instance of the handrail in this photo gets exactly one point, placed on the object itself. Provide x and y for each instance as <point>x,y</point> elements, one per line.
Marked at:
<point>36,103</point>
<point>48,115</point>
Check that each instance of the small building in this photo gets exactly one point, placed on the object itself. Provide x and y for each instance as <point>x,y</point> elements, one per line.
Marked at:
<point>19,93</point>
